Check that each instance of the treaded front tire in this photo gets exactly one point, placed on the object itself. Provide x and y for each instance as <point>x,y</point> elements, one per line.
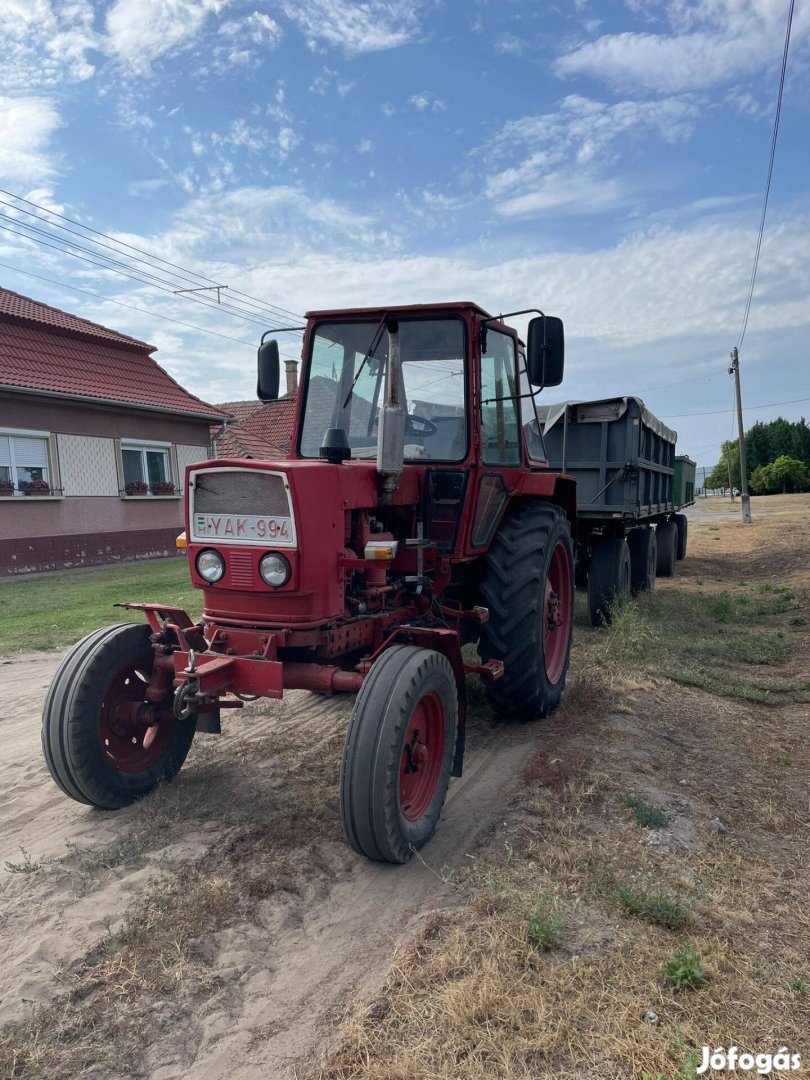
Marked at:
<point>91,756</point>
<point>398,753</point>
<point>531,558</point>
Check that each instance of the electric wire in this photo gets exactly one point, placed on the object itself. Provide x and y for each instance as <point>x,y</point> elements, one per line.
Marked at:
<point>201,278</point>
<point>134,307</point>
<point>212,305</point>
<point>721,412</point>
<point>770,174</point>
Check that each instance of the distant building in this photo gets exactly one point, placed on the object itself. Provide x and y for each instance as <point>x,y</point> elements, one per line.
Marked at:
<point>94,440</point>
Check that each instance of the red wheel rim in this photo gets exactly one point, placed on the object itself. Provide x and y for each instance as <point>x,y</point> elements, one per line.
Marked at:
<point>132,734</point>
<point>557,612</point>
<point>422,753</point>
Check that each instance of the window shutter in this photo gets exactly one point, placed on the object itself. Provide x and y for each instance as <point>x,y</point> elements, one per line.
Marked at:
<point>5,451</point>
<point>30,453</point>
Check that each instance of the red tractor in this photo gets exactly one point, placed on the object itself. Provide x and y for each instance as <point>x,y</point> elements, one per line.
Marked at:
<point>414,514</point>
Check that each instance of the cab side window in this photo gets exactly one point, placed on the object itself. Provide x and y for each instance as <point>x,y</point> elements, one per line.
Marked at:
<point>500,425</point>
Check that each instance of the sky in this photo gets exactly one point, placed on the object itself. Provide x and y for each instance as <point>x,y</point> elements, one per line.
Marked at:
<point>603,160</point>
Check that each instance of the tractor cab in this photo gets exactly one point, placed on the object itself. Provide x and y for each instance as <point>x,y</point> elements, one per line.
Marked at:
<point>420,385</point>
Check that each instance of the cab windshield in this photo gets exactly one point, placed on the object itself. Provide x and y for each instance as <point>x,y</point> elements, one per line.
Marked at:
<point>345,387</point>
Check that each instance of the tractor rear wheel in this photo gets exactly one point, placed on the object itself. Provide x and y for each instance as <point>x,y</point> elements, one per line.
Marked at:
<point>682,524</point>
<point>98,747</point>
<point>667,544</point>
<point>398,753</point>
<point>609,578</point>
<point>643,558</point>
<point>528,587</point>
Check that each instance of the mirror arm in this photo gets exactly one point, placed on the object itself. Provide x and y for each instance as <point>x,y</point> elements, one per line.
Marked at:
<point>281,330</point>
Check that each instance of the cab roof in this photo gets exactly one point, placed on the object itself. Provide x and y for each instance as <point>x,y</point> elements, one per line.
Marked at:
<point>452,306</point>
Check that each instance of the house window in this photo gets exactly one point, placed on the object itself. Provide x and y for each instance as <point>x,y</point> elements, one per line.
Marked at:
<point>147,469</point>
<point>24,462</point>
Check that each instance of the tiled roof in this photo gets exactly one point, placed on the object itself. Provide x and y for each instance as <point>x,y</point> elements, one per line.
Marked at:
<point>259,429</point>
<point>48,351</point>
<point>24,307</point>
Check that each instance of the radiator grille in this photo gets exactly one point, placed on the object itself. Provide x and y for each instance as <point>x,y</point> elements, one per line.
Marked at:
<point>248,492</point>
<point>241,568</point>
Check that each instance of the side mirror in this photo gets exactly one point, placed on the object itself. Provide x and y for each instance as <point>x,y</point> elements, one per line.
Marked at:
<point>545,351</point>
<point>269,368</point>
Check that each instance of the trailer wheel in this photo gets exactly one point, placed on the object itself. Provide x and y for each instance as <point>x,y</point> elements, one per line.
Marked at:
<point>96,748</point>
<point>528,587</point>
<point>643,558</point>
<point>667,545</point>
<point>398,753</point>
<point>609,578</point>
<point>682,524</point>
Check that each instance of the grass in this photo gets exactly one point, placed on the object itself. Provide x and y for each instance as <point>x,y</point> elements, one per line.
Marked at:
<point>545,925</point>
<point>684,970</point>
<point>649,817</point>
<point>51,611</point>
<point>648,900</point>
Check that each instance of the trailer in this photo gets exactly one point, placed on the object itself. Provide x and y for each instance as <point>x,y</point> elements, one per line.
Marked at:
<point>630,489</point>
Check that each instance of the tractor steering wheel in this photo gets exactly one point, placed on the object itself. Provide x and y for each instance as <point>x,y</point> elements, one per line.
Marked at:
<point>419,425</point>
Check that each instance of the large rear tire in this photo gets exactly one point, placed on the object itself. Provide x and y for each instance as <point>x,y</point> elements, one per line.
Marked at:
<point>667,545</point>
<point>682,524</point>
<point>94,749</point>
<point>609,578</point>
<point>398,753</point>
<point>528,587</point>
<point>643,558</point>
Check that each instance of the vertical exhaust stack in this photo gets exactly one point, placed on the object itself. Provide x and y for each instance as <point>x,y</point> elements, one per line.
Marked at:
<point>391,427</point>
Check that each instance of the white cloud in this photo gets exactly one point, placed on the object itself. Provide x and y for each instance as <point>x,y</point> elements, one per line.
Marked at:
<point>364,146</point>
<point>509,45</point>
<point>141,31</point>
<point>27,125</point>
<point>711,42</point>
<point>562,154</point>
<point>355,28</point>
<point>425,100</point>
<point>44,44</point>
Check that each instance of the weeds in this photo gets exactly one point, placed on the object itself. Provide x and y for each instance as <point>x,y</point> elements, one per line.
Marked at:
<point>684,971</point>
<point>649,817</point>
<point>798,986</point>
<point>647,900</point>
<point>545,925</point>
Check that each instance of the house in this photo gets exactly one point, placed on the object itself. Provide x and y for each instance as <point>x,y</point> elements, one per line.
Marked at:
<point>258,429</point>
<point>94,440</point>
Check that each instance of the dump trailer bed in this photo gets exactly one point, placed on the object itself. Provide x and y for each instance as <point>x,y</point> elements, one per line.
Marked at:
<point>622,456</point>
<point>628,531</point>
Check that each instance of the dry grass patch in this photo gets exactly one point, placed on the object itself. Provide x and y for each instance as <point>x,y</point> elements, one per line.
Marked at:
<point>583,942</point>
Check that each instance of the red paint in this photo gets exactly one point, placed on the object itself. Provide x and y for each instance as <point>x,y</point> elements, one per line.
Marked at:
<point>422,752</point>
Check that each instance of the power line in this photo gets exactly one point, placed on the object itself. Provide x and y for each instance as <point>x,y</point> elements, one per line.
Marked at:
<point>211,305</point>
<point>132,307</point>
<point>275,309</point>
<point>720,412</point>
<point>770,173</point>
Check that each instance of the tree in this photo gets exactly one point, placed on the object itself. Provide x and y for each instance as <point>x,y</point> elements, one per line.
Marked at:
<point>786,473</point>
<point>764,445</point>
<point>718,477</point>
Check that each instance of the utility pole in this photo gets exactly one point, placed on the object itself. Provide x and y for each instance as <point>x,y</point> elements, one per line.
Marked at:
<point>730,476</point>
<point>734,370</point>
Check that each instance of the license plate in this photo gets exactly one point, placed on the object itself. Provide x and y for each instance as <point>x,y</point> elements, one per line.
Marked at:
<point>279,530</point>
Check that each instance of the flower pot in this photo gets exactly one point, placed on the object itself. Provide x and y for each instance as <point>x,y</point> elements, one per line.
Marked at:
<point>137,487</point>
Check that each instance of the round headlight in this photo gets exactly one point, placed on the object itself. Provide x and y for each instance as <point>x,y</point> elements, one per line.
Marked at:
<point>210,565</point>
<point>275,570</point>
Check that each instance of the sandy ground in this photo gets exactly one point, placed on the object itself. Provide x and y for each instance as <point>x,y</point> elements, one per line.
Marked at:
<point>281,971</point>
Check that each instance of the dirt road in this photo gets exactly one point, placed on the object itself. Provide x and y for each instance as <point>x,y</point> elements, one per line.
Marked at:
<point>323,924</point>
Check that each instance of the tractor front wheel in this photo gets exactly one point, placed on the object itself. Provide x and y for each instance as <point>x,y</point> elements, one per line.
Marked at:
<point>104,745</point>
<point>398,753</point>
<point>528,587</point>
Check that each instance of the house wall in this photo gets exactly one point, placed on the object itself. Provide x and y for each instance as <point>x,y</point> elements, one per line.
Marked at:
<point>92,522</point>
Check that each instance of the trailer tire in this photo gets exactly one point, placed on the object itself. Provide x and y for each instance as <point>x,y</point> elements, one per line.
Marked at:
<point>667,542</point>
<point>398,753</point>
<point>643,558</point>
<point>528,588</point>
<point>609,578</point>
<point>91,753</point>
<point>682,524</point>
